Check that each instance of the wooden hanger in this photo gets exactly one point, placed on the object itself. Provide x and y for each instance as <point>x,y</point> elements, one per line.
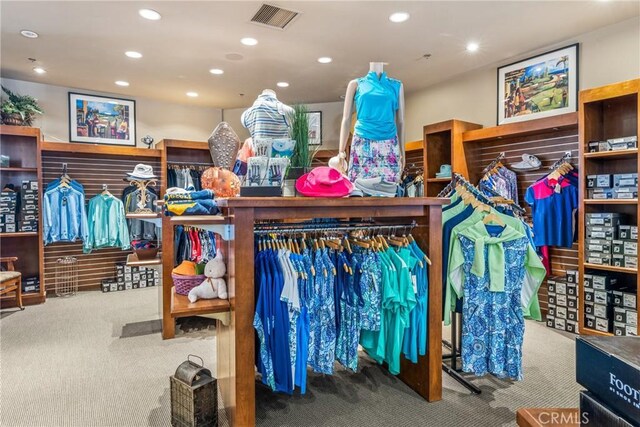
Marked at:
<point>362,244</point>
<point>347,245</point>
<point>492,217</point>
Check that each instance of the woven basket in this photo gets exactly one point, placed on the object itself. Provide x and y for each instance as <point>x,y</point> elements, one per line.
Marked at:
<point>184,284</point>
<point>145,254</point>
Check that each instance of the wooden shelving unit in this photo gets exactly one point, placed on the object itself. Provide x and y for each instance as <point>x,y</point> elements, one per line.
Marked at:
<point>22,145</point>
<point>19,234</point>
<point>620,154</point>
<point>443,145</point>
<point>611,202</point>
<point>133,261</point>
<point>182,307</point>
<point>174,306</point>
<point>610,268</point>
<point>16,169</point>
<point>607,112</point>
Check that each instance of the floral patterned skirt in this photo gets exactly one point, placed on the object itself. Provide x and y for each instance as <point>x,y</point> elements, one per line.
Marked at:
<point>370,158</point>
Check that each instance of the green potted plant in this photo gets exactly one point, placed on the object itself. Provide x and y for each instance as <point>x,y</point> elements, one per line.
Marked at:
<point>19,110</point>
<point>302,156</point>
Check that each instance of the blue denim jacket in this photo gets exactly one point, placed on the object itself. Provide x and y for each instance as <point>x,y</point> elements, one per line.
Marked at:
<point>65,218</point>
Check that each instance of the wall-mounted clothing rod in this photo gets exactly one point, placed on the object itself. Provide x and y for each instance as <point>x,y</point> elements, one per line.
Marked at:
<point>494,162</point>
<point>566,157</point>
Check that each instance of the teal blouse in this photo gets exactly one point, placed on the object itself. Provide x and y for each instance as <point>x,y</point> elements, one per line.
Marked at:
<point>376,105</point>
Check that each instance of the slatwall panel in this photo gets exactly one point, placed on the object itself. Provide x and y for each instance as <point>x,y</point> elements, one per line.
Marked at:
<point>548,148</point>
<point>415,161</point>
<point>92,172</point>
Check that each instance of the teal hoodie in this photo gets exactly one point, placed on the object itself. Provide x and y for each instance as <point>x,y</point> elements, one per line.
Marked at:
<point>107,224</point>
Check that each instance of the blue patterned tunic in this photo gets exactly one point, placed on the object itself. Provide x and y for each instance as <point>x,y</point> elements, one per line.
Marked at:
<point>493,322</point>
<point>322,322</point>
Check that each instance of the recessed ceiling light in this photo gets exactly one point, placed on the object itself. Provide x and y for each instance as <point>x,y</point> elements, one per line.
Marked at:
<point>29,34</point>
<point>192,94</point>
<point>39,70</point>
<point>473,47</point>
<point>133,54</point>
<point>122,83</point>
<point>398,17</point>
<point>249,41</point>
<point>216,71</point>
<point>282,84</point>
<point>324,60</point>
<point>149,14</point>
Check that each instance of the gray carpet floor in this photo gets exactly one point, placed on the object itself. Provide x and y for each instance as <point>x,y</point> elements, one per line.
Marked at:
<point>99,360</point>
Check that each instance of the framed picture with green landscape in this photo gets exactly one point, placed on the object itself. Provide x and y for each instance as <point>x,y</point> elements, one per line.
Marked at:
<point>542,86</point>
<point>102,120</point>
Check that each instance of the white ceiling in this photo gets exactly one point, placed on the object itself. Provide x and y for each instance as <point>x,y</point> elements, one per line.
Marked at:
<point>82,44</point>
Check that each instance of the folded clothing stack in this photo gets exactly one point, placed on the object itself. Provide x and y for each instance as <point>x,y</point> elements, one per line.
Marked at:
<point>182,202</point>
<point>142,244</point>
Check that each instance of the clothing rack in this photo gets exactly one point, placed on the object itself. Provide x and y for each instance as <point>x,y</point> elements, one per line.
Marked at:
<point>459,179</point>
<point>236,340</point>
<point>566,157</point>
<point>456,331</point>
<point>263,229</point>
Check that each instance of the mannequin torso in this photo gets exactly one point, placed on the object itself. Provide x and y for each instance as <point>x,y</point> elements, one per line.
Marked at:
<point>375,123</point>
<point>267,117</point>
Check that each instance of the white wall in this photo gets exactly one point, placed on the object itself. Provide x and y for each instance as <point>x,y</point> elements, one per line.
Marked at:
<point>607,55</point>
<point>161,120</point>
<point>331,118</point>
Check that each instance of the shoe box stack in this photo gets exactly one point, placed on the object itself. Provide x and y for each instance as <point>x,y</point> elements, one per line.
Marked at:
<point>28,221</point>
<point>610,242</point>
<point>8,206</point>
<point>128,277</point>
<point>610,305</point>
<point>563,302</point>
<point>614,144</point>
<point>613,186</point>
<point>30,285</point>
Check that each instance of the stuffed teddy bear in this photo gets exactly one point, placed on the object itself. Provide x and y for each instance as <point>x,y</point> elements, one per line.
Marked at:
<point>214,285</point>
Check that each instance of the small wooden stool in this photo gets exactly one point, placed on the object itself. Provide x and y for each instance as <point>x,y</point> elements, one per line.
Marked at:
<point>556,417</point>
<point>11,280</point>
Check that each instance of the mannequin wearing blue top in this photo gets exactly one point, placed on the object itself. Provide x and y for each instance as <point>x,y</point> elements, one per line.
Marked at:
<point>377,146</point>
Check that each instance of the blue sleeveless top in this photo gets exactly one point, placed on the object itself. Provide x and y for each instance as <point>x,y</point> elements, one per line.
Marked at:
<point>376,106</point>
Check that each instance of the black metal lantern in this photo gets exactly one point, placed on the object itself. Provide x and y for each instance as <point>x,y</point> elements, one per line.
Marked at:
<point>194,396</point>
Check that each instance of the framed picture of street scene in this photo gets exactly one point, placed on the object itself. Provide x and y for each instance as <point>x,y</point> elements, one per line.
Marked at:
<point>102,120</point>
<point>542,86</point>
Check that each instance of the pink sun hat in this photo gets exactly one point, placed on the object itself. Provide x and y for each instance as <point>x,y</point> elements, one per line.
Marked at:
<point>324,181</point>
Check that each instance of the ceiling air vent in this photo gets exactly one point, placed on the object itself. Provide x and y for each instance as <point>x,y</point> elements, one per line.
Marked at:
<point>273,16</point>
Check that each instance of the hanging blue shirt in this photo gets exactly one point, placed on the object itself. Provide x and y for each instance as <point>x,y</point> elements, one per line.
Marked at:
<point>65,218</point>
<point>376,105</point>
<point>553,216</point>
